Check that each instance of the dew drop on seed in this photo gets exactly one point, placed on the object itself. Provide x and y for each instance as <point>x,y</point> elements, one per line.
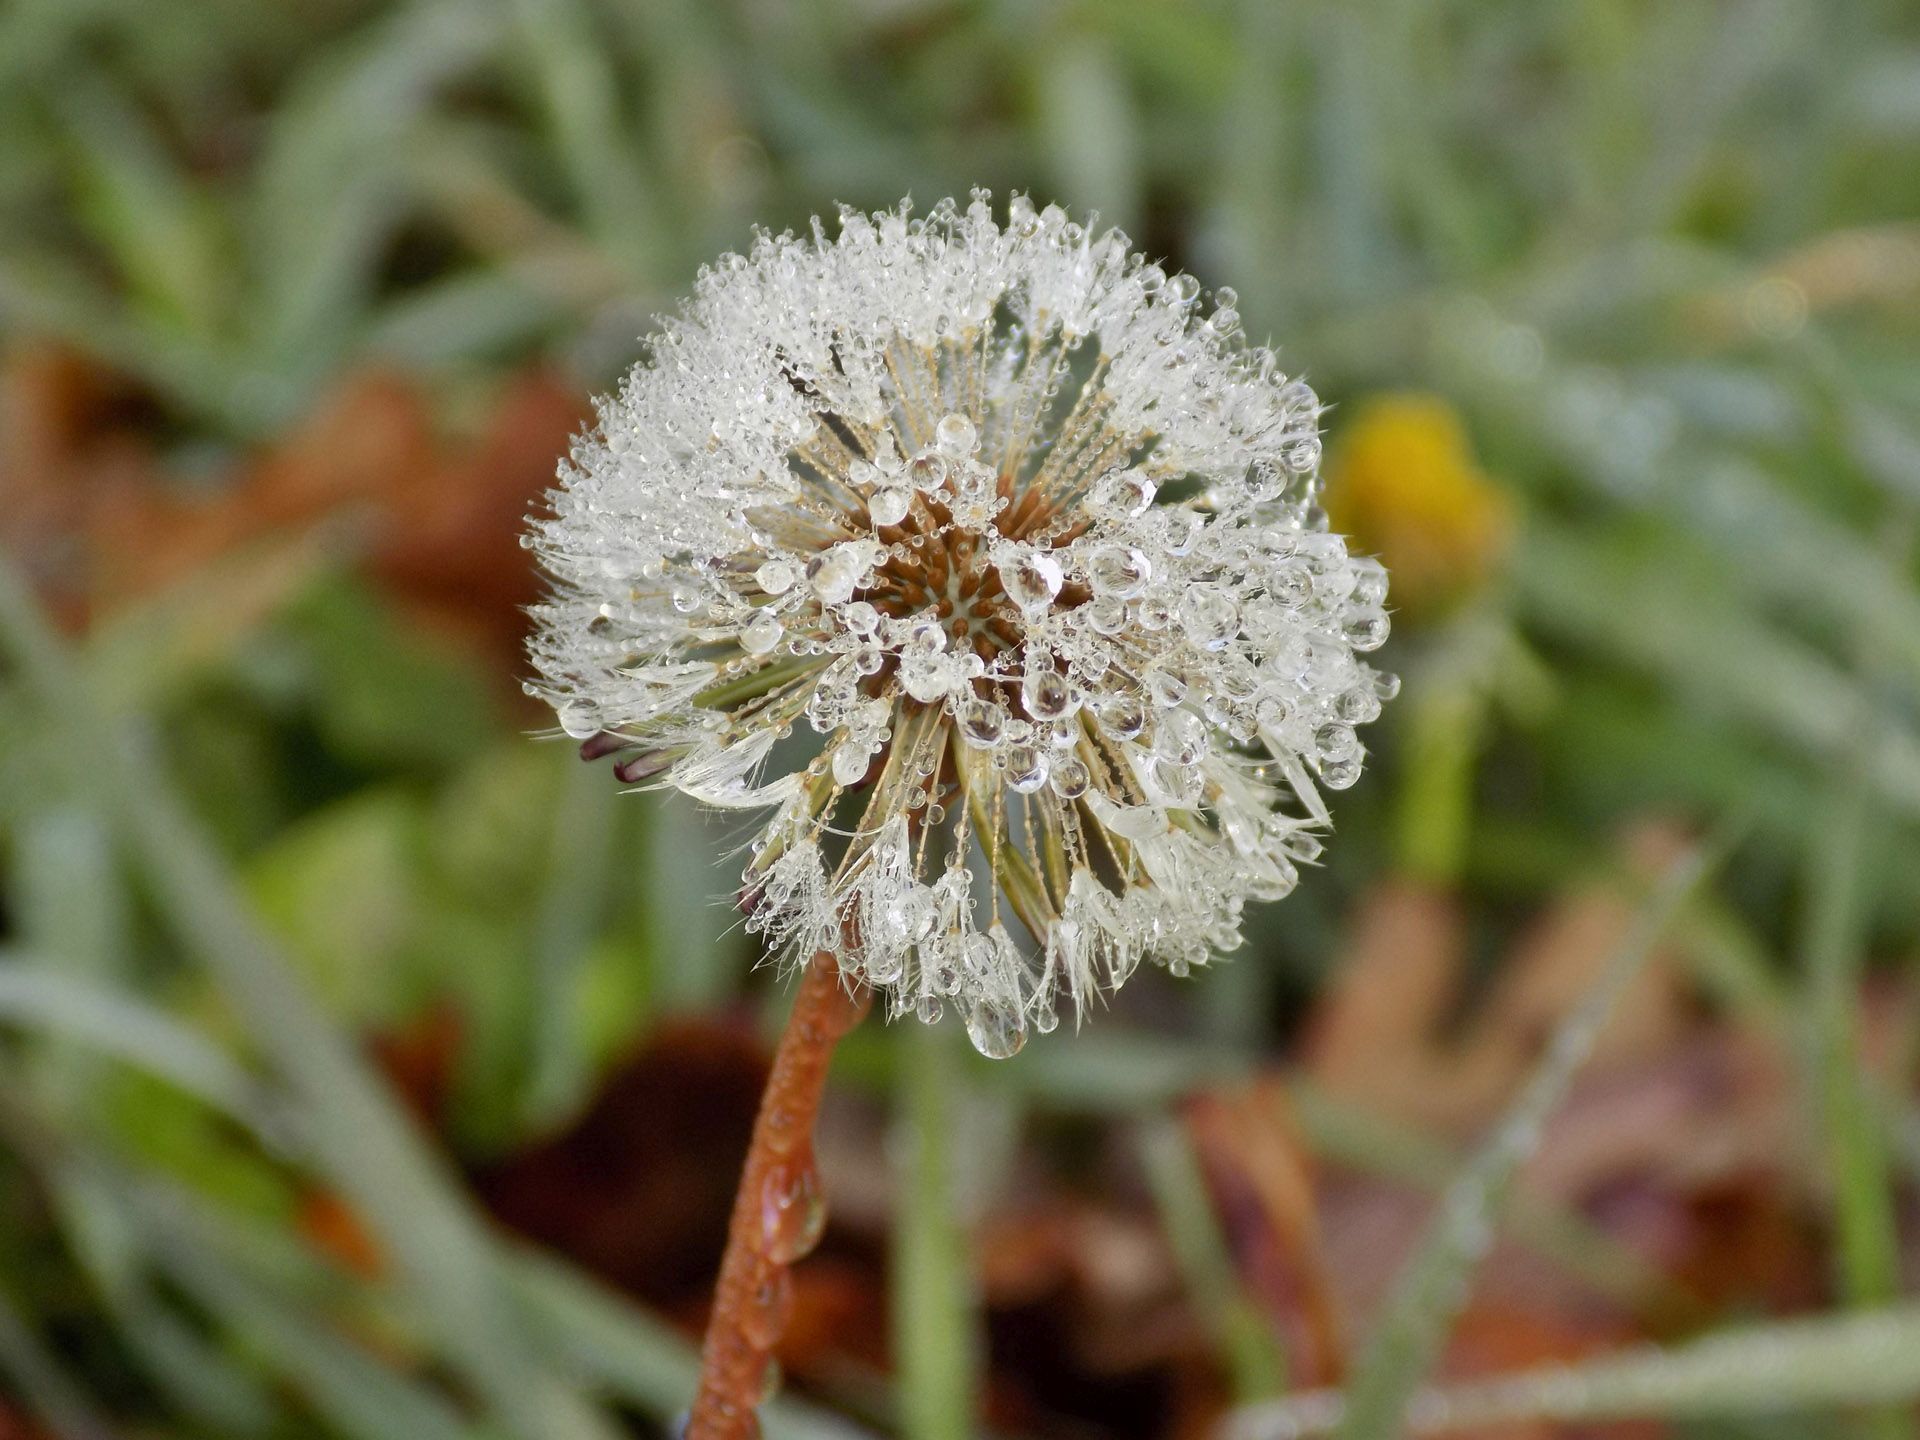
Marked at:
<point>997,1031</point>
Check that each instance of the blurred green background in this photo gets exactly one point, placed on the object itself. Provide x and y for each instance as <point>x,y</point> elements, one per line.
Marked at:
<point>370,1068</point>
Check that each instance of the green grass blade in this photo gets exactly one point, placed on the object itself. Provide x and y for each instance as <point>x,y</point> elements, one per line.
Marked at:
<point>37,1376</point>
<point>934,1343</point>
<point>355,1128</point>
<point>1255,1361</point>
<point>1794,1367</point>
<point>1433,1284</point>
<point>363,1397</point>
<point>143,207</point>
<point>35,996</point>
<point>1854,1138</point>
<point>330,189</point>
<point>1105,1071</point>
<point>619,1348</point>
<point>570,911</point>
<point>581,92</point>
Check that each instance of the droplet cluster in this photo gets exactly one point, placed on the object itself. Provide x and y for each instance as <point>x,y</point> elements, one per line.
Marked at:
<point>988,558</point>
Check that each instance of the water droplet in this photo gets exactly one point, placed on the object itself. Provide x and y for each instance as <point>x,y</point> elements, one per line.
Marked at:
<point>887,505</point>
<point>1165,688</point>
<point>776,577</point>
<point>760,634</point>
<point>1032,580</point>
<point>928,471</point>
<point>850,763</point>
<point>1340,774</point>
<point>1107,614</point>
<point>1046,1014</point>
<point>1047,694</point>
<point>956,436</point>
<point>580,722</point>
<point>1026,768</point>
<point>1125,493</point>
<point>997,1031</point>
<point>1181,738</point>
<point>1209,617</point>
<point>982,723</point>
<point>792,1213</point>
<point>1368,630</point>
<point>1118,570</point>
<point>1070,777</point>
<point>833,576</point>
<point>768,1307</point>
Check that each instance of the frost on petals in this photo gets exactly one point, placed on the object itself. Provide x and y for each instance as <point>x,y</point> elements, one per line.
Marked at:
<point>987,560</point>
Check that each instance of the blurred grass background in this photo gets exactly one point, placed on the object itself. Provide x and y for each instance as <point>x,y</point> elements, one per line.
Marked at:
<point>371,1070</point>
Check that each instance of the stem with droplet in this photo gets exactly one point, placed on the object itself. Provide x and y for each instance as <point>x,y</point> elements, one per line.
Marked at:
<point>777,1213</point>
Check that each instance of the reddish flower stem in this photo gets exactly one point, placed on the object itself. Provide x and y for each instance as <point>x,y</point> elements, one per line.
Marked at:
<point>776,1212</point>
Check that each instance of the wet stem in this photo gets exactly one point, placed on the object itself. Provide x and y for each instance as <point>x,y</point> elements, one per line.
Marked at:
<point>778,1212</point>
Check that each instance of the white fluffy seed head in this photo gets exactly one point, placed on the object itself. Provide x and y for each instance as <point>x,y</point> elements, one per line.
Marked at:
<point>994,569</point>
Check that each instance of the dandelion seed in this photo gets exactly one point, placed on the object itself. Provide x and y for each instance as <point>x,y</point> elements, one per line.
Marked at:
<point>1022,550</point>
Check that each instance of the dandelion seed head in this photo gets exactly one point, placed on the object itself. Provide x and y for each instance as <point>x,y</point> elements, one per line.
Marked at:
<point>986,558</point>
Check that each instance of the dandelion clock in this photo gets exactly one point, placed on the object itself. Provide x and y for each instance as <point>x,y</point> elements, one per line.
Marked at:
<point>981,564</point>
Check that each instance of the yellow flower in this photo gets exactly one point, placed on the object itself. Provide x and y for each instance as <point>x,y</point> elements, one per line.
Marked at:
<point>1403,482</point>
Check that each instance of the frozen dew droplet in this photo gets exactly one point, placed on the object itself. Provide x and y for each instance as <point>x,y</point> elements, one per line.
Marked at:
<point>760,634</point>
<point>887,505</point>
<point>955,436</point>
<point>792,1213</point>
<point>996,1030</point>
<point>1046,1014</point>
<point>776,577</point>
<point>1336,742</point>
